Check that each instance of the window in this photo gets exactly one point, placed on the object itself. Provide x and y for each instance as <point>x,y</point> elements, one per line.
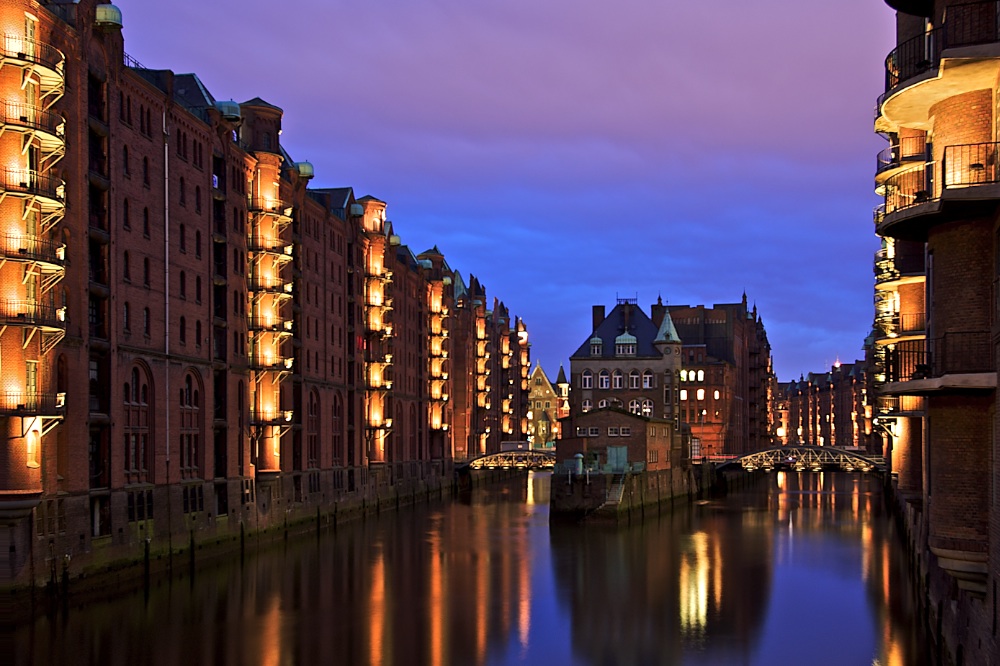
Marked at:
<point>197,289</point>
<point>183,192</point>
<point>701,375</point>
<point>633,379</point>
<point>126,269</point>
<point>145,171</point>
<point>612,431</point>
<point>125,317</point>
<point>716,394</point>
<point>190,433</point>
<point>684,394</point>
<point>183,330</point>
<point>594,432</point>
<point>182,284</point>
<point>701,394</point>
<point>197,199</point>
<point>145,271</point>
<point>125,165</point>
<point>581,431</point>
<point>626,431</point>
<point>183,238</point>
<point>604,380</point>
<point>587,379</point>
<point>588,405</point>
<point>596,348</point>
<point>126,222</point>
<point>145,222</point>
<point>627,349</point>
<point>197,333</point>
<point>138,433</point>
<point>602,404</point>
<point>618,380</point>
<point>684,375</point>
<point>145,322</point>
<point>647,380</point>
<point>634,406</point>
<point>197,244</point>
<point>647,407</point>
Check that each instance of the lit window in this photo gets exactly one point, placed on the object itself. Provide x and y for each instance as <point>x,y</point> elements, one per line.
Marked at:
<point>647,407</point>
<point>701,394</point>
<point>684,375</point>
<point>716,394</point>
<point>684,394</point>
<point>634,406</point>
<point>701,375</point>
<point>587,405</point>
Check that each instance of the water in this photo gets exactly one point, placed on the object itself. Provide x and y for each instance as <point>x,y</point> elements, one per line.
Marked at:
<point>804,571</point>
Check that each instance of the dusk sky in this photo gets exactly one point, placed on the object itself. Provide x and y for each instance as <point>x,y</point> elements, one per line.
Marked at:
<point>567,152</point>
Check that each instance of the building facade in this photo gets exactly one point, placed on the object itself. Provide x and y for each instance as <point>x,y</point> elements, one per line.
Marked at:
<point>827,409</point>
<point>937,315</point>
<point>728,386</point>
<point>253,347</point>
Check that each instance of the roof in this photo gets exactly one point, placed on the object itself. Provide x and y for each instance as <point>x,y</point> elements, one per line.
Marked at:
<point>667,332</point>
<point>561,378</point>
<point>625,318</point>
<point>257,101</point>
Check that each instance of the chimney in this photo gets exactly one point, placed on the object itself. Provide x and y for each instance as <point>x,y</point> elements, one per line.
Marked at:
<point>598,315</point>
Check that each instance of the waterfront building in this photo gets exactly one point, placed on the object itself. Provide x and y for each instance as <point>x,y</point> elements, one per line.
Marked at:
<point>728,386</point>
<point>545,404</point>
<point>255,349</point>
<point>827,409</point>
<point>940,181</point>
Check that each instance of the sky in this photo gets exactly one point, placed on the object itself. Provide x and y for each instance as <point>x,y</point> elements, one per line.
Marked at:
<point>571,152</point>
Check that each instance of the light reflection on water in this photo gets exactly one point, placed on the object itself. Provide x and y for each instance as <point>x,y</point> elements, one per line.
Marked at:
<point>803,570</point>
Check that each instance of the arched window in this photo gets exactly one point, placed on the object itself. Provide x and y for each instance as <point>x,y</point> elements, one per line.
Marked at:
<point>125,164</point>
<point>145,271</point>
<point>145,171</point>
<point>588,405</point>
<point>602,404</point>
<point>183,330</point>
<point>587,379</point>
<point>138,427</point>
<point>684,375</point>
<point>126,221</point>
<point>647,407</point>
<point>189,405</point>
<point>197,333</point>
<point>126,267</point>
<point>183,192</point>
<point>648,380</point>
<point>145,321</point>
<point>617,379</point>
<point>701,394</point>
<point>633,379</point>
<point>604,380</point>
<point>701,375</point>
<point>197,289</point>
<point>182,284</point>
<point>197,199</point>
<point>145,222</point>
<point>126,319</point>
<point>634,406</point>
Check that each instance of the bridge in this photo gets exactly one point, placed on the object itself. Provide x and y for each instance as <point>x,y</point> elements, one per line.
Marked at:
<point>812,458</point>
<point>525,459</point>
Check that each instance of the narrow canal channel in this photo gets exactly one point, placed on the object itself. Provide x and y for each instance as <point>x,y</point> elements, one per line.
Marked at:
<point>806,569</point>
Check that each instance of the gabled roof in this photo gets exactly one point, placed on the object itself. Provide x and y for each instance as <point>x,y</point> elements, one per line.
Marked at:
<point>191,93</point>
<point>257,101</point>
<point>625,318</point>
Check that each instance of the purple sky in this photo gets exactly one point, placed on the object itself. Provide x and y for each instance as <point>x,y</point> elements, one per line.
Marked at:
<point>568,151</point>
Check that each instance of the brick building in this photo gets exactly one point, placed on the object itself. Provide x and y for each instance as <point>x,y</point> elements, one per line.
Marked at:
<point>940,181</point>
<point>253,348</point>
<point>826,409</point>
<point>548,404</point>
<point>729,379</point>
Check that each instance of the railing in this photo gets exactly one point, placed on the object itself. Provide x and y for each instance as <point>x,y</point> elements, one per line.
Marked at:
<point>270,324</point>
<point>888,404</point>
<point>262,205</point>
<point>39,53</point>
<point>953,353</point>
<point>911,148</point>
<point>895,324</point>
<point>264,244</point>
<point>31,247</point>
<point>278,417</point>
<point>31,313</point>
<point>909,188</point>
<point>267,284</point>
<point>971,164</point>
<point>29,181</point>
<point>129,61</point>
<point>964,25</point>
<point>27,115</point>
<point>19,402</point>
<point>276,363</point>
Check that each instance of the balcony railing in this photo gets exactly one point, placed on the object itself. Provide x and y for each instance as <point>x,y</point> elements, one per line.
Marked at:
<point>971,164</point>
<point>271,324</point>
<point>274,363</point>
<point>264,205</point>
<point>269,244</point>
<point>269,284</point>
<point>965,25</point>
<point>963,166</point>
<point>32,248</point>
<point>953,353</point>
<point>38,53</point>
<point>31,313</point>
<point>908,149</point>
<point>902,324</point>
<point>909,188</point>
<point>15,403</point>
<point>33,117</point>
<point>264,418</point>
<point>31,182</point>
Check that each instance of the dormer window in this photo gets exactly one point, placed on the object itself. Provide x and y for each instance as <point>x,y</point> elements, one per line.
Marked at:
<point>625,350</point>
<point>596,346</point>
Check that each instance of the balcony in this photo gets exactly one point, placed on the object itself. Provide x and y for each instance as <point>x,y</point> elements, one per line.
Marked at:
<point>271,363</point>
<point>897,266</point>
<point>271,417</point>
<point>32,314</point>
<point>14,403</point>
<point>263,205</point>
<point>273,285</point>
<point>271,325</point>
<point>968,173</point>
<point>26,247</point>
<point>898,325</point>
<point>923,367</point>
<point>956,56</point>
<point>904,153</point>
<point>46,61</point>
<point>47,126</point>
<point>270,245</point>
<point>26,182</point>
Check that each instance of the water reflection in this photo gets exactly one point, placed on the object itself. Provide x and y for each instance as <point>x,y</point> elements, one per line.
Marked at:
<point>803,570</point>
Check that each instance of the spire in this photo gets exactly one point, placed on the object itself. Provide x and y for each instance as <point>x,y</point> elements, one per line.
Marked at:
<point>667,332</point>
<point>561,378</point>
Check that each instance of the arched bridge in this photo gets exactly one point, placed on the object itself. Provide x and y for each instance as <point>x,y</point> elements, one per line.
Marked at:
<point>813,458</point>
<point>511,459</point>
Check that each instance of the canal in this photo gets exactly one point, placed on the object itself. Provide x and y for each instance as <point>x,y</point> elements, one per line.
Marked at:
<point>805,569</point>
